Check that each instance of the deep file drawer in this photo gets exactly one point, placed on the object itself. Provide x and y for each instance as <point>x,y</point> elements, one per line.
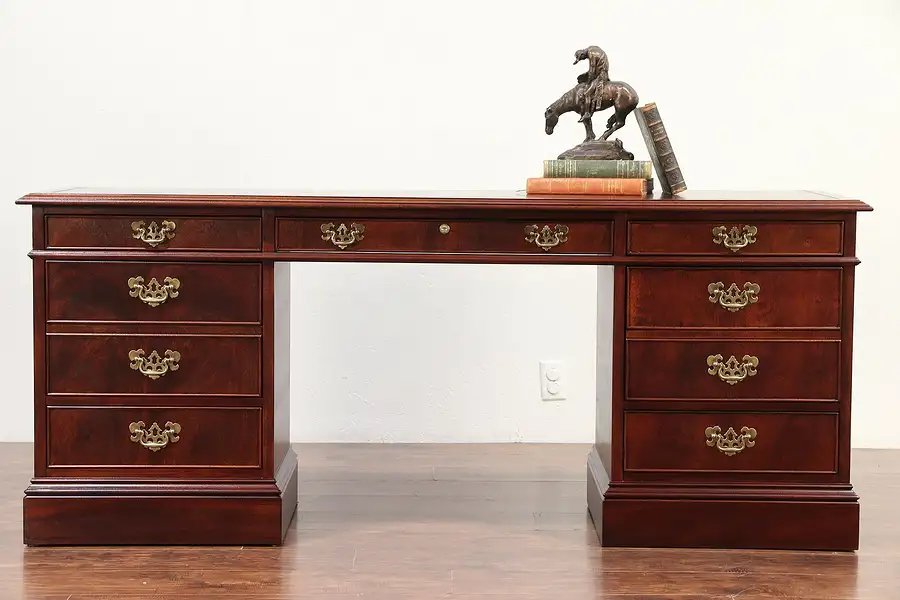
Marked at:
<point>728,368</point>
<point>734,298</point>
<point>154,292</point>
<point>205,365</point>
<point>750,445</point>
<point>141,440</point>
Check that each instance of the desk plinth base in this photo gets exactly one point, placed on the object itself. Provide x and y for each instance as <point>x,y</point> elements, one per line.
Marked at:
<point>766,519</point>
<point>114,513</point>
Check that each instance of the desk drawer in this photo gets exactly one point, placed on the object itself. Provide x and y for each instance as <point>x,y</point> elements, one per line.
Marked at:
<point>733,298</point>
<point>502,236</point>
<point>728,368</point>
<point>733,238</point>
<point>157,233</point>
<point>130,437</point>
<point>207,365</point>
<point>156,292</point>
<point>685,444</point>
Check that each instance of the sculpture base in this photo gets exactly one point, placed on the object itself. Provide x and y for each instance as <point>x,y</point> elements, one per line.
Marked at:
<point>598,150</point>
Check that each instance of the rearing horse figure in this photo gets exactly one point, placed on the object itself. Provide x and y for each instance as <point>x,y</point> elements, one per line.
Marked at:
<point>617,94</point>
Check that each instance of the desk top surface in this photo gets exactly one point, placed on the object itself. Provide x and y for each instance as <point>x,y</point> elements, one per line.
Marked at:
<point>789,200</point>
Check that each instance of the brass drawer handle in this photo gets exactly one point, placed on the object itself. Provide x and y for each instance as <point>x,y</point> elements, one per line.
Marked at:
<point>730,443</point>
<point>343,237</point>
<point>154,366</point>
<point>153,234</point>
<point>733,299</point>
<point>734,239</point>
<point>732,371</point>
<point>153,293</point>
<point>154,438</point>
<point>546,238</point>
<point>444,228</point>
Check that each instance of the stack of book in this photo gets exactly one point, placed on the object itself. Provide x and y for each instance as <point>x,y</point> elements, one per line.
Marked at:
<point>617,177</point>
<point>593,177</point>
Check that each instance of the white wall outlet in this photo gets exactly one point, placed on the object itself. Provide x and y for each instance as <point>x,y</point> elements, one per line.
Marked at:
<point>553,380</point>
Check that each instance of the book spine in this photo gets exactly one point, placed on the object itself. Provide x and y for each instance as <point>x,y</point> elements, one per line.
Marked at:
<point>671,172</point>
<point>625,169</point>
<point>612,186</point>
<point>651,150</point>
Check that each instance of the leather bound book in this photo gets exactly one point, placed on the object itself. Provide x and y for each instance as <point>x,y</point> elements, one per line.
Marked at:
<point>660,149</point>
<point>611,186</point>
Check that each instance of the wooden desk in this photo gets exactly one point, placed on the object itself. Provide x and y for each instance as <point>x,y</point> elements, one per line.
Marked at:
<point>161,355</point>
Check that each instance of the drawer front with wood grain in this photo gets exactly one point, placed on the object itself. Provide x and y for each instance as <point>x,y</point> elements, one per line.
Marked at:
<point>502,236</point>
<point>734,298</point>
<point>681,444</point>
<point>154,292</point>
<point>207,365</point>
<point>138,232</point>
<point>728,368</point>
<point>141,437</point>
<point>733,238</point>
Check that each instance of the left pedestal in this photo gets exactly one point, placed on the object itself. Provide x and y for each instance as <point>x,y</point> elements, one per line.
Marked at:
<point>162,400</point>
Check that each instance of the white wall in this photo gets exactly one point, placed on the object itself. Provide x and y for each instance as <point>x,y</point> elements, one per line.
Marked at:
<point>434,95</point>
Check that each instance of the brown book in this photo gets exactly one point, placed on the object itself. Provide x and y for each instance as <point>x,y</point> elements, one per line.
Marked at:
<point>671,179</point>
<point>608,186</point>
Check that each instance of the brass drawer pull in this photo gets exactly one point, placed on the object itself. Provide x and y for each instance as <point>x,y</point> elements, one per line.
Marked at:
<point>154,366</point>
<point>733,299</point>
<point>734,239</point>
<point>153,234</point>
<point>546,238</point>
<point>732,371</point>
<point>730,443</point>
<point>444,228</point>
<point>154,438</point>
<point>153,293</point>
<point>343,237</point>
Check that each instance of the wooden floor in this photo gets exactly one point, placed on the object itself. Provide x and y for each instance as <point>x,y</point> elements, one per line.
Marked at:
<point>418,522</point>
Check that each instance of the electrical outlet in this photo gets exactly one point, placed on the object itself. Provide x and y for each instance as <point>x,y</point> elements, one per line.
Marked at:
<point>553,380</point>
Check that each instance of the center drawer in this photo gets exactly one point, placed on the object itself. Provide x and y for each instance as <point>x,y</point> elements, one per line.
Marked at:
<point>734,298</point>
<point>208,365</point>
<point>156,292</point>
<point>731,368</point>
<point>390,235</point>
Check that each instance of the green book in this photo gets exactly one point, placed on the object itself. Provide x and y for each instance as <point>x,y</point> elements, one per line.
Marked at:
<point>622,169</point>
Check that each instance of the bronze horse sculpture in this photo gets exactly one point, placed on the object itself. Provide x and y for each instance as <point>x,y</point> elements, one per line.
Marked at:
<point>617,94</point>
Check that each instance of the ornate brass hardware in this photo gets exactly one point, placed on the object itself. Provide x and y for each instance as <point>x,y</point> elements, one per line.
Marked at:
<point>154,366</point>
<point>732,371</point>
<point>342,237</point>
<point>154,438</point>
<point>734,239</point>
<point>733,299</point>
<point>153,234</point>
<point>730,443</point>
<point>444,228</point>
<point>546,238</point>
<point>154,293</point>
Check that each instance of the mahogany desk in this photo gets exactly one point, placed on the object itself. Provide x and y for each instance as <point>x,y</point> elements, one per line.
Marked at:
<point>161,355</point>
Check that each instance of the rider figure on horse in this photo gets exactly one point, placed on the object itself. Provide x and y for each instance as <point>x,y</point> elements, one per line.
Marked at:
<point>596,77</point>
